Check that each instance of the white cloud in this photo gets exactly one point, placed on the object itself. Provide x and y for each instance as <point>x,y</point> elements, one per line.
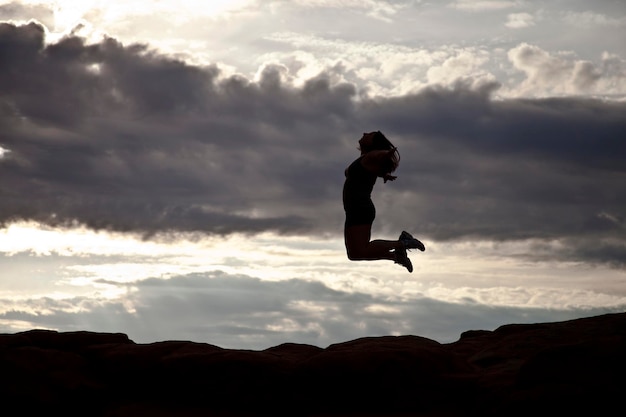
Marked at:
<point>589,19</point>
<point>528,297</point>
<point>238,311</point>
<point>563,74</point>
<point>385,69</point>
<point>392,66</point>
<point>260,291</point>
<point>77,241</point>
<point>464,66</point>
<point>96,258</point>
<point>68,12</point>
<point>484,5</point>
<point>519,20</point>
<point>382,10</point>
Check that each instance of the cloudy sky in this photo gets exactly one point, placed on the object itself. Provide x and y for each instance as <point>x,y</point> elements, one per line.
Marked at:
<point>173,169</point>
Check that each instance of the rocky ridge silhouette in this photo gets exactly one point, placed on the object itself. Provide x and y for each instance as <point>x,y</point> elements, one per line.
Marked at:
<point>574,367</point>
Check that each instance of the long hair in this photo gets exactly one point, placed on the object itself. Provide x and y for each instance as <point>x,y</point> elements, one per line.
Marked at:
<point>381,143</point>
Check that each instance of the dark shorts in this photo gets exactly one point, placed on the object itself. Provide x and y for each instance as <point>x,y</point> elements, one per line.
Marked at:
<point>360,213</point>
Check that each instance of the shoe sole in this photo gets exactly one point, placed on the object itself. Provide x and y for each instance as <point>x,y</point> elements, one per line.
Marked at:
<point>409,238</point>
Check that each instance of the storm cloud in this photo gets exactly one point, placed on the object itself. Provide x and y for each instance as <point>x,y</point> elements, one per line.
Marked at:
<point>125,138</point>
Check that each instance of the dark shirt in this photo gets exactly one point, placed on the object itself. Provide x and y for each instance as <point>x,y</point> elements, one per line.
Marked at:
<point>357,189</point>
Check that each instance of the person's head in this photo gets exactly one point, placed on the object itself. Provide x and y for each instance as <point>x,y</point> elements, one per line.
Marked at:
<point>376,141</point>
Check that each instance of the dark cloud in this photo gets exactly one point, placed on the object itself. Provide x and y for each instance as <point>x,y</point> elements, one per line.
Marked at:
<point>122,137</point>
<point>549,168</point>
<point>243,312</point>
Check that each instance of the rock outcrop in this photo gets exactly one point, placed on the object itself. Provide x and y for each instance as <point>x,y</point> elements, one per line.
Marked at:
<point>576,367</point>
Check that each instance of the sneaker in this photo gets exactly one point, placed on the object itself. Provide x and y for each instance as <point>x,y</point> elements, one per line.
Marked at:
<point>410,242</point>
<point>403,260</point>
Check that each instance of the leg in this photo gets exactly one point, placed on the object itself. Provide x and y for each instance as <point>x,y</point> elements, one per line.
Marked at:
<point>360,248</point>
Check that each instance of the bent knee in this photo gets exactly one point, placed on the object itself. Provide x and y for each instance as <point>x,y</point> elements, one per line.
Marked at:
<point>355,254</point>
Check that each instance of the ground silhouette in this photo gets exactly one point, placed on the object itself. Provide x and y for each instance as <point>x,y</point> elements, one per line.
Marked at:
<point>574,367</point>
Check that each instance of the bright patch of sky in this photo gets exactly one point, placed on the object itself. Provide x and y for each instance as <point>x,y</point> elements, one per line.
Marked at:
<point>483,272</point>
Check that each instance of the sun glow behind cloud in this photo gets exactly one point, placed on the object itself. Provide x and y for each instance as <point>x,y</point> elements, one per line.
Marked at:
<point>108,262</point>
<point>69,13</point>
<point>268,289</point>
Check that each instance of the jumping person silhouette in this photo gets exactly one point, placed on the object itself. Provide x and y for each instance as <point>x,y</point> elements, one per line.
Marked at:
<point>379,158</point>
